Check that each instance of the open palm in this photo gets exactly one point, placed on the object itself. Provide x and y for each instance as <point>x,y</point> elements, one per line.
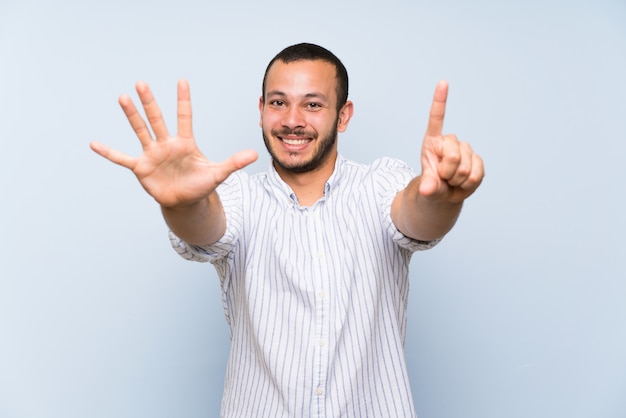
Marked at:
<point>171,168</point>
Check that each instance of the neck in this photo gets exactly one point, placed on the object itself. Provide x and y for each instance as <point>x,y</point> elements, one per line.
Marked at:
<point>308,186</point>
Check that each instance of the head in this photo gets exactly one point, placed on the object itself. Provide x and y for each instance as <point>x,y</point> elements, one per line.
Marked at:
<point>312,52</point>
<point>304,104</point>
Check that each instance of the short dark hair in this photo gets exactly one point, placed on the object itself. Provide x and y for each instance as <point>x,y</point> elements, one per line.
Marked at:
<point>312,52</point>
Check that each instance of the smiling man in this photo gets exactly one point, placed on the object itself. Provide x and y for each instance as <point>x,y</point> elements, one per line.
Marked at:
<point>313,254</point>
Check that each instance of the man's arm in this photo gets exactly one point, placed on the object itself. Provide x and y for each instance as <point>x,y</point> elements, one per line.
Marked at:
<point>429,206</point>
<point>174,171</point>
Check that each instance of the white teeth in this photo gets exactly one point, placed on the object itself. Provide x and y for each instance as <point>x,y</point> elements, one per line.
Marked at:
<point>295,141</point>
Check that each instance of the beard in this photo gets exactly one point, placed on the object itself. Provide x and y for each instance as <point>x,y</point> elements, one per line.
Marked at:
<point>322,153</point>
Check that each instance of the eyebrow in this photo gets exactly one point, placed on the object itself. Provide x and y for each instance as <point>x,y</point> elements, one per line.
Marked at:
<point>308,95</point>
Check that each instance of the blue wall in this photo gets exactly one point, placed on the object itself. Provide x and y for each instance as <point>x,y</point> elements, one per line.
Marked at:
<point>519,313</point>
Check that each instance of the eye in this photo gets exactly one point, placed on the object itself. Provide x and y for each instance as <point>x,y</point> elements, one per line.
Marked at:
<point>277,103</point>
<point>313,106</point>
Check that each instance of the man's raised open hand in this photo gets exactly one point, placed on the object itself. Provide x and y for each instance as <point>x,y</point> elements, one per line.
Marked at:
<point>171,168</point>
<point>451,171</point>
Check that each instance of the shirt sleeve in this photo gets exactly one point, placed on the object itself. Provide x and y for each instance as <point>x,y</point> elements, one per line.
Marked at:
<point>391,177</point>
<point>230,194</point>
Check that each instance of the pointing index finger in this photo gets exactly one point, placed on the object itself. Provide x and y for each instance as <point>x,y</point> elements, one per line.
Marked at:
<point>438,110</point>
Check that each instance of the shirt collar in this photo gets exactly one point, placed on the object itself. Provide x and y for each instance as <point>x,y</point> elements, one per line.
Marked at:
<point>278,184</point>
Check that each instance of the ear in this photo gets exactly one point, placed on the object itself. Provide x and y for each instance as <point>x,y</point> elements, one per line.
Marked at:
<point>261,103</point>
<point>345,114</point>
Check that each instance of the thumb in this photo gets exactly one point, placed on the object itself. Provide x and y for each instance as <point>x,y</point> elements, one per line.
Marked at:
<point>243,158</point>
<point>429,179</point>
<point>429,183</point>
<point>238,161</point>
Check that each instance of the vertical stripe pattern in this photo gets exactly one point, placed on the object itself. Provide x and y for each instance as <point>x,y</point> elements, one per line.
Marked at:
<point>316,296</point>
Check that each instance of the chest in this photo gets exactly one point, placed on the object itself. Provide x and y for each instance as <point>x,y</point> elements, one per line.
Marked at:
<point>331,246</point>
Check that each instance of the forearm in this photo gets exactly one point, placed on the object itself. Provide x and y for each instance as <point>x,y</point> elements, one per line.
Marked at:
<point>201,223</point>
<point>423,218</point>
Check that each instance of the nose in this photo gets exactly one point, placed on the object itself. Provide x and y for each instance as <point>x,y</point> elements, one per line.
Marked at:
<point>293,118</point>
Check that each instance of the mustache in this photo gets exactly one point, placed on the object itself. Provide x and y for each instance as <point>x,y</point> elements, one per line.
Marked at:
<point>293,132</point>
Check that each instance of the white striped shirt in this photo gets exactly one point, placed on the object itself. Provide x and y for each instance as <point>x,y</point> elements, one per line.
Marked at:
<point>315,296</point>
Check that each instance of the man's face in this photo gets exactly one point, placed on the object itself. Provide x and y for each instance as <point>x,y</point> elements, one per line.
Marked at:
<point>299,115</point>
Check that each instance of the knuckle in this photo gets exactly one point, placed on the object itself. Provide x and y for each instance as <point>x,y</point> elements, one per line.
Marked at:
<point>453,158</point>
<point>464,171</point>
<point>156,118</point>
<point>141,130</point>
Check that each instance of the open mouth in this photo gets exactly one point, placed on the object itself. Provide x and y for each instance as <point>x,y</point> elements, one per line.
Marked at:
<point>295,141</point>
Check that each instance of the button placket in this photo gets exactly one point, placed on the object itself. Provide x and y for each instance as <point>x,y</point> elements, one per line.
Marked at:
<point>322,319</point>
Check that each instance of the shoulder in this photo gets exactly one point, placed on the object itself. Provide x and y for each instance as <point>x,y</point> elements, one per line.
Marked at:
<point>374,184</point>
<point>242,182</point>
<point>379,164</point>
<point>389,164</point>
<point>383,169</point>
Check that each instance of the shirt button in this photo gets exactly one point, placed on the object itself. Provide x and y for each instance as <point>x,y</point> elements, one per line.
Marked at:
<point>322,343</point>
<point>321,294</point>
<point>319,391</point>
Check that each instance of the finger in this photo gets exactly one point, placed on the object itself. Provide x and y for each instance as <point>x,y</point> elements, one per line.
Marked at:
<point>114,156</point>
<point>429,184</point>
<point>438,110</point>
<point>450,157</point>
<point>136,120</point>
<point>429,178</point>
<point>153,113</point>
<point>475,178</point>
<point>236,162</point>
<point>464,168</point>
<point>184,110</point>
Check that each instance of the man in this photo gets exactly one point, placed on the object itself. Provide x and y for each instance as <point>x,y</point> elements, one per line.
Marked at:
<point>313,254</point>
